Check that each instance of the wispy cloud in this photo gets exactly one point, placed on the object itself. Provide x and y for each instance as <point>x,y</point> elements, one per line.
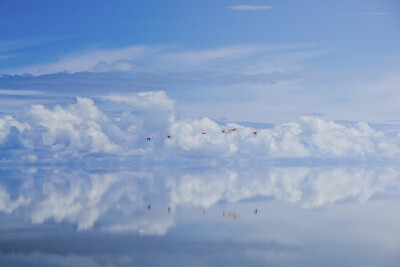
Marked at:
<point>12,48</point>
<point>249,7</point>
<point>19,92</point>
<point>158,58</point>
<point>94,60</point>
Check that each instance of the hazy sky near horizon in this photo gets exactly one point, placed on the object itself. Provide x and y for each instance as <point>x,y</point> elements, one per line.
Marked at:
<point>255,61</point>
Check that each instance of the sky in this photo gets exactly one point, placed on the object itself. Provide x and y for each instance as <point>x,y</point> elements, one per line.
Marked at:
<point>278,60</point>
<point>208,107</point>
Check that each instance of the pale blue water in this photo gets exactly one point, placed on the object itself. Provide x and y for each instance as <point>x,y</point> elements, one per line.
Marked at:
<point>328,215</point>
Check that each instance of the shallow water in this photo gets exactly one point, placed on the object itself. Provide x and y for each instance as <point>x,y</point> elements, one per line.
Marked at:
<point>326,215</point>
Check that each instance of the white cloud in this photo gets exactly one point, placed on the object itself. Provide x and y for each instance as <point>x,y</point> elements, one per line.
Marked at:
<point>7,123</point>
<point>82,129</point>
<point>249,7</point>
<point>76,128</point>
<point>330,138</point>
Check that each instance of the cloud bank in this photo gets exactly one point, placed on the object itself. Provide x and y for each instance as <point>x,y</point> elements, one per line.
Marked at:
<point>79,130</point>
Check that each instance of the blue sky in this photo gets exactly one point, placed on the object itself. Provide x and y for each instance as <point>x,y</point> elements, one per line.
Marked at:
<point>368,26</point>
<point>44,31</point>
<point>277,59</point>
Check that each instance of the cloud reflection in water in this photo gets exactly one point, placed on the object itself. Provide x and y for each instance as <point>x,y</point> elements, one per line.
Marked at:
<point>298,208</point>
<point>117,201</point>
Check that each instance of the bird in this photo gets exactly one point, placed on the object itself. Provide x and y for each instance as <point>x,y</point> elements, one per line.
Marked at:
<point>149,207</point>
<point>254,132</point>
<point>168,136</point>
<point>203,133</point>
<point>255,211</point>
<point>169,208</point>
<point>148,138</point>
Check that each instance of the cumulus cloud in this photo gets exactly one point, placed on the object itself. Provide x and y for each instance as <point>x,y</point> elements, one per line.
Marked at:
<point>10,130</point>
<point>78,127</point>
<point>82,129</point>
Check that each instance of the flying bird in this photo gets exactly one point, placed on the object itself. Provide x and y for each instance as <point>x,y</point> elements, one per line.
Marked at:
<point>148,138</point>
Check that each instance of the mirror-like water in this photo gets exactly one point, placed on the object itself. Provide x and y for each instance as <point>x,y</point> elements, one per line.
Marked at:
<point>280,215</point>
